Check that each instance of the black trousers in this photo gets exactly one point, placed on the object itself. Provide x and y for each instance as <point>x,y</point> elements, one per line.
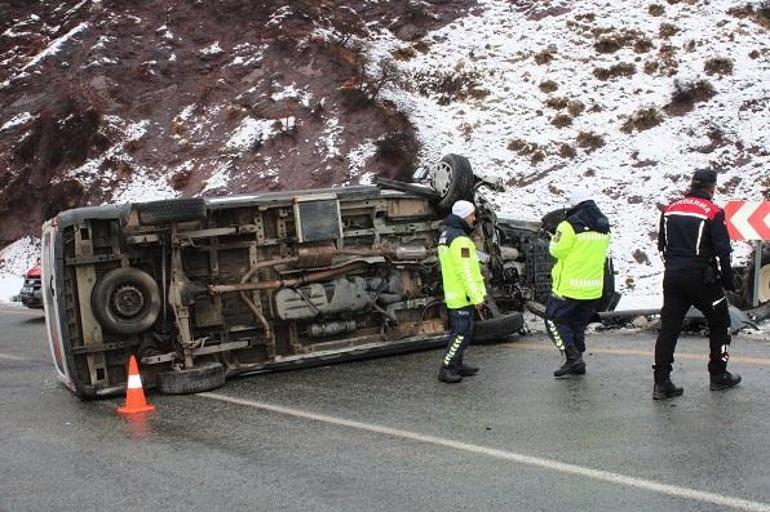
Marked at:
<point>461,322</point>
<point>566,321</point>
<point>682,289</point>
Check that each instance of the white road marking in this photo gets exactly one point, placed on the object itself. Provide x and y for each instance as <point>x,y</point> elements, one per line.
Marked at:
<point>13,358</point>
<point>552,465</point>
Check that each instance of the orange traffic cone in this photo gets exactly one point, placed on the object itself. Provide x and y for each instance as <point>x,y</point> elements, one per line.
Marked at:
<point>135,401</point>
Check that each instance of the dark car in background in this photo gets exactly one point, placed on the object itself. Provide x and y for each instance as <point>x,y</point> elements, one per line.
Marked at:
<point>31,294</point>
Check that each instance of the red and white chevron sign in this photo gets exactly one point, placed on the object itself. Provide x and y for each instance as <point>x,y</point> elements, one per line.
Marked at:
<point>748,220</point>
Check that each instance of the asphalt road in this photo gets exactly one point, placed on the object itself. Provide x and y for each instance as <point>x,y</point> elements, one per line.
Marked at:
<point>384,435</point>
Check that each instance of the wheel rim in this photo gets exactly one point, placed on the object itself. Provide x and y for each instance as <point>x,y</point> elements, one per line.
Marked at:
<point>442,177</point>
<point>764,284</point>
<point>127,301</point>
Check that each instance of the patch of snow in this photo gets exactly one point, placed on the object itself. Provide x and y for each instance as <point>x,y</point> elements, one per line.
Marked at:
<point>250,132</point>
<point>141,183</point>
<point>143,186</point>
<point>291,92</point>
<point>328,139</point>
<point>102,42</point>
<point>278,16</point>
<point>11,33</point>
<point>357,159</point>
<point>15,261</point>
<point>55,46</point>
<point>633,172</point>
<point>75,8</point>
<point>212,50</point>
<point>219,179</point>
<point>186,113</point>
<point>367,178</point>
<point>17,120</point>
<point>246,55</point>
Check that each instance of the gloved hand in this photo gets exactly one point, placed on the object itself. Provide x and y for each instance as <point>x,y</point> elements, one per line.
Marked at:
<point>728,280</point>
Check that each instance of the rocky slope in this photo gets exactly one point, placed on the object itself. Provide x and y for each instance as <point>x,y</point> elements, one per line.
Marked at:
<point>113,101</point>
<point>117,101</point>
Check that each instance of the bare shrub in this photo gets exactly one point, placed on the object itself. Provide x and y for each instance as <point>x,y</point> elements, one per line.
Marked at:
<point>363,89</point>
<point>405,53</point>
<point>466,130</point>
<point>618,70</point>
<point>643,119</point>
<point>421,46</point>
<point>656,10</point>
<point>609,44</point>
<point>589,141</point>
<point>561,121</point>
<point>396,149</point>
<point>557,102</point>
<point>537,156</point>
<point>763,14</point>
<point>567,151</point>
<point>180,180</point>
<point>478,93</point>
<point>544,56</point>
<point>651,66</point>
<point>548,86</point>
<point>668,30</point>
<point>575,108</point>
<point>687,94</point>
<point>643,45</point>
<point>718,65</point>
<point>522,147</point>
<point>449,85</point>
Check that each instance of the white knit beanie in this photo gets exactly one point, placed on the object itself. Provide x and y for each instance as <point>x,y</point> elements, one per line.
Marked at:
<point>578,195</point>
<point>463,208</point>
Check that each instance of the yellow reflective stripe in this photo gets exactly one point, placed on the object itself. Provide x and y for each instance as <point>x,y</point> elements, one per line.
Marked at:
<point>585,283</point>
<point>453,349</point>
<point>555,333</point>
<point>592,236</point>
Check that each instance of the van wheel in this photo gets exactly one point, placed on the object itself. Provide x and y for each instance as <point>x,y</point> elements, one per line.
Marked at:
<point>204,377</point>
<point>453,180</point>
<point>172,210</point>
<point>126,301</point>
<point>497,329</point>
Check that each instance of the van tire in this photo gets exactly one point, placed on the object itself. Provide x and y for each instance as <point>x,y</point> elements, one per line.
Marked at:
<point>203,377</point>
<point>498,328</point>
<point>131,290</point>
<point>453,180</point>
<point>172,210</point>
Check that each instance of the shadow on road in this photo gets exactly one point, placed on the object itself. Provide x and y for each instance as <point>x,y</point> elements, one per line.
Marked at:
<point>34,320</point>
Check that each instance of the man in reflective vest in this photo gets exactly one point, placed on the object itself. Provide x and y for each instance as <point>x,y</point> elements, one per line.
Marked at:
<point>695,245</point>
<point>464,289</point>
<point>580,246</point>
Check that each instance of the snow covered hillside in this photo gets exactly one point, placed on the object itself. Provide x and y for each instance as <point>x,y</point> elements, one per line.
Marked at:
<point>549,95</point>
<point>104,101</point>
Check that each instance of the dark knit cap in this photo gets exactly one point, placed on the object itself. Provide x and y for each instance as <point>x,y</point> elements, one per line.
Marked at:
<point>705,176</point>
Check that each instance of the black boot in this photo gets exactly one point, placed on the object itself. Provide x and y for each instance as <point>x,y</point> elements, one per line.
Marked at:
<point>467,370</point>
<point>664,388</point>
<point>449,375</point>
<point>574,365</point>
<point>724,380</point>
